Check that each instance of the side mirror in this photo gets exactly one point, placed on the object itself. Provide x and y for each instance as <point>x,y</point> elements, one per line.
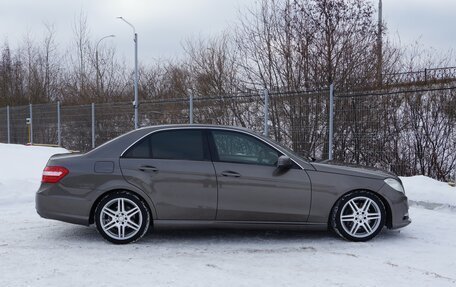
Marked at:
<point>284,162</point>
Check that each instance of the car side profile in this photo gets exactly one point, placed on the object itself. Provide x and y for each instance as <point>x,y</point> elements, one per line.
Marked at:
<point>206,176</point>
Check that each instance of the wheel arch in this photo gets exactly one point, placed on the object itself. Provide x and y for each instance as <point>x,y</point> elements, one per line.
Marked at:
<point>389,215</point>
<point>149,206</point>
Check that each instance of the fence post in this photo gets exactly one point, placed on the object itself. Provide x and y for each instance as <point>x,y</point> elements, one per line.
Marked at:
<point>59,130</point>
<point>266,113</point>
<point>8,123</point>
<point>31,124</point>
<point>191,109</point>
<point>331,121</point>
<point>93,125</point>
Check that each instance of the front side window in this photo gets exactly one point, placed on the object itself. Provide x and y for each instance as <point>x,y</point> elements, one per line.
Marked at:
<point>242,148</point>
<point>172,144</point>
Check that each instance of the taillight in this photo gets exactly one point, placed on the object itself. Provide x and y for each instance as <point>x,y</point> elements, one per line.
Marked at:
<point>53,174</point>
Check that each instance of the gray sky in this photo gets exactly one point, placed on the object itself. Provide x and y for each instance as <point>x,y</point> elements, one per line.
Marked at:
<point>163,24</point>
<point>430,21</point>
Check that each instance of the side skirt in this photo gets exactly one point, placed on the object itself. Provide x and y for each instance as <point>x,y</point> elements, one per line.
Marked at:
<point>208,224</point>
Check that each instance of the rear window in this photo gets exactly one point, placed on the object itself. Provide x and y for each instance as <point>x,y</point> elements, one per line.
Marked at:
<point>140,150</point>
<point>173,144</point>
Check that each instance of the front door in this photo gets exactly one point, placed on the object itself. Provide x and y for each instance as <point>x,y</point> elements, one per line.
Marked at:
<point>250,187</point>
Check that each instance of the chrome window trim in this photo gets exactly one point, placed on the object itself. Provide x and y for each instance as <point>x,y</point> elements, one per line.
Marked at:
<point>208,128</point>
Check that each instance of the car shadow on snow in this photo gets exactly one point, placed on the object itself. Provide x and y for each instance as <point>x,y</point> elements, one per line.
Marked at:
<point>75,233</point>
<point>83,234</point>
<point>205,236</point>
<point>199,236</point>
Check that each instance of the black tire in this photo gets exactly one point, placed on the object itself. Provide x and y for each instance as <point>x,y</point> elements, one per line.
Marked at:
<point>137,224</point>
<point>369,228</point>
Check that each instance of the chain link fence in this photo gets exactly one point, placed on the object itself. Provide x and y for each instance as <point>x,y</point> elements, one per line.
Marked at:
<point>408,132</point>
<point>404,131</point>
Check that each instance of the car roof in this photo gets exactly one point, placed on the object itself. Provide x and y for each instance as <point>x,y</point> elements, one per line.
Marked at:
<point>158,127</point>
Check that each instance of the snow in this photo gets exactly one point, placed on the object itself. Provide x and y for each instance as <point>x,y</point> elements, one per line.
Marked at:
<point>40,252</point>
<point>429,192</point>
<point>20,169</point>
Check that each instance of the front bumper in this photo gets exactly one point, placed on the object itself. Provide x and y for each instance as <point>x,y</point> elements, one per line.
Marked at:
<point>398,207</point>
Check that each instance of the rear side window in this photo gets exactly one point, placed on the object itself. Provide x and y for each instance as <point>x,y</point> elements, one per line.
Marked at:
<point>140,150</point>
<point>173,144</point>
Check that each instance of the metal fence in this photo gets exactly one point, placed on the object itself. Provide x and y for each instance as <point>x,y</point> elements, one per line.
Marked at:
<point>408,132</point>
<point>423,77</point>
<point>405,131</point>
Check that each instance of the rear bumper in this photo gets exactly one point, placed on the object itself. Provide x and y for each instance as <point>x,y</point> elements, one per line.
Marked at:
<point>62,207</point>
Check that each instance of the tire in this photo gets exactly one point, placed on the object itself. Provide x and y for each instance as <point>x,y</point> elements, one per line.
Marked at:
<point>358,216</point>
<point>121,217</point>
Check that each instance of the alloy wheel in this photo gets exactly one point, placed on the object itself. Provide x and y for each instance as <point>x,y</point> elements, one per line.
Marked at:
<point>360,217</point>
<point>122,217</point>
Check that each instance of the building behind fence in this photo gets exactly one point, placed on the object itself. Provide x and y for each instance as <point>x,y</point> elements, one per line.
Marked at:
<point>405,130</point>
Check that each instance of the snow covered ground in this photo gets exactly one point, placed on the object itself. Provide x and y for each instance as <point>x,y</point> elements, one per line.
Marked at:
<point>39,252</point>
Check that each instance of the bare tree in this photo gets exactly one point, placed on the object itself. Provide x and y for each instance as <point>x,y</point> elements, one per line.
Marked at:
<point>81,58</point>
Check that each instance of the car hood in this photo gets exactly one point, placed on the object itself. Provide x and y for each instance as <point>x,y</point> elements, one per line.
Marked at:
<point>352,170</point>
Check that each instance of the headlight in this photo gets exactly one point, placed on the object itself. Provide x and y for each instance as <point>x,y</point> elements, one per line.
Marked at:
<point>395,184</point>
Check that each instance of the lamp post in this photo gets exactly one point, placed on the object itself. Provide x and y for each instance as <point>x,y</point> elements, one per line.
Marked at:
<point>96,60</point>
<point>380,43</point>
<point>135,103</point>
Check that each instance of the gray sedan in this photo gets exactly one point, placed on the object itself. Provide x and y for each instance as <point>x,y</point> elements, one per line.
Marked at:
<point>178,176</point>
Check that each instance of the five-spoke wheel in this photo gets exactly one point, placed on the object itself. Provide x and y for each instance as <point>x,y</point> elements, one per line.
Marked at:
<point>358,216</point>
<point>122,217</point>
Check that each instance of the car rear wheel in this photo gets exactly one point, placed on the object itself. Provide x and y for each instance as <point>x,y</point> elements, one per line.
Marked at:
<point>358,216</point>
<point>121,217</point>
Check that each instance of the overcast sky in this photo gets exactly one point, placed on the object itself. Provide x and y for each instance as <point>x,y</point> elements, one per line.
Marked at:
<point>162,25</point>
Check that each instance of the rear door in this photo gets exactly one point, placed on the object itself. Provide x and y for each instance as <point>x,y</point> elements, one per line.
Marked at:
<point>174,168</point>
<point>250,186</point>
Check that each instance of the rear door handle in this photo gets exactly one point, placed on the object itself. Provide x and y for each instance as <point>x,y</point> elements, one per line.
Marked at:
<point>230,173</point>
<point>148,168</point>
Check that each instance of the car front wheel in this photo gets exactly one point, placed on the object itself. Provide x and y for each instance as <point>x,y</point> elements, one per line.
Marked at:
<point>121,217</point>
<point>358,216</point>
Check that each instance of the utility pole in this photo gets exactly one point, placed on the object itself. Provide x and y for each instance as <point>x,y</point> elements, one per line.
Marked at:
<point>379,44</point>
<point>135,39</point>
<point>331,122</point>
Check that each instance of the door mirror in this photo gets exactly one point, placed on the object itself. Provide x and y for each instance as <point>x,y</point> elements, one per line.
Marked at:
<point>284,162</point>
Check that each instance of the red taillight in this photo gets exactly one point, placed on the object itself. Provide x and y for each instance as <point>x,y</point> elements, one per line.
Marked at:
<point>53,174</point>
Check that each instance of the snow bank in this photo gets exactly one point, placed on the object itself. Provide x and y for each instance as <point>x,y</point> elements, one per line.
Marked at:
<point>429,192</point>
<point>20,169</point>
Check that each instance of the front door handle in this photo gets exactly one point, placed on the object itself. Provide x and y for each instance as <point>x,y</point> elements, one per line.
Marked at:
<point>230,173</point>
<point>148,168</point>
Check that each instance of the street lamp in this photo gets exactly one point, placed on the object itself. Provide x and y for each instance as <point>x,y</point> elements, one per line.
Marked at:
<point>96,60</point>
<point>135,103</point>
<point>379,44</point>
